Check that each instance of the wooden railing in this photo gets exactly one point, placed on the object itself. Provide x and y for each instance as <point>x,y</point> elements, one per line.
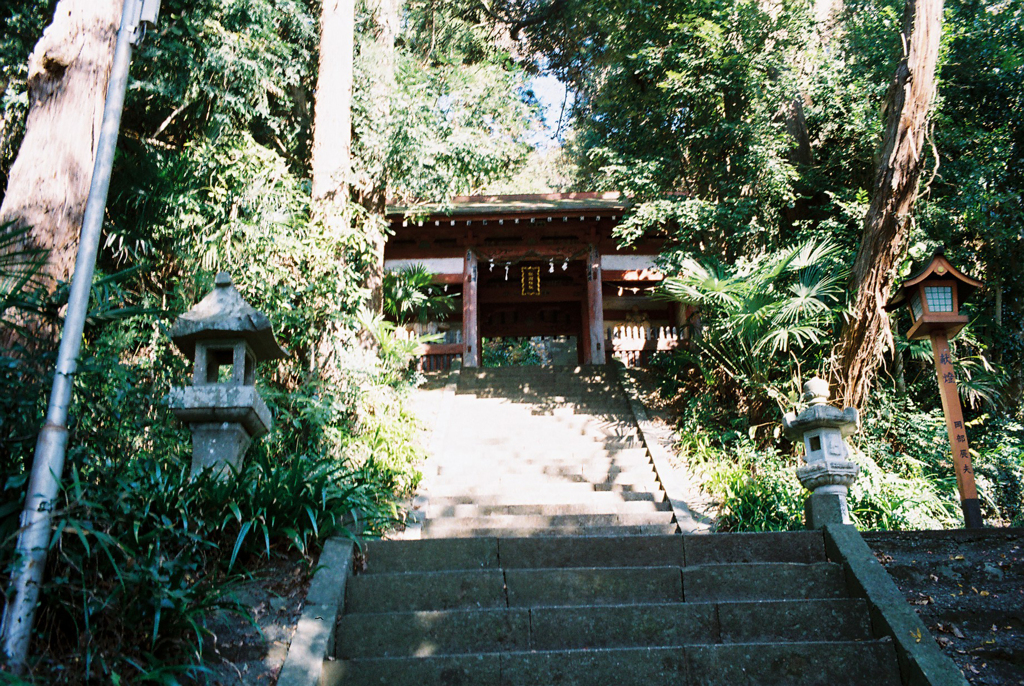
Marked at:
<point>634,345</point>
<point>434,356</point>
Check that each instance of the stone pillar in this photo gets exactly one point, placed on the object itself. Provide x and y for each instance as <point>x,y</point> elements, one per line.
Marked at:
<point>470,312</point>
<point>595,308</point>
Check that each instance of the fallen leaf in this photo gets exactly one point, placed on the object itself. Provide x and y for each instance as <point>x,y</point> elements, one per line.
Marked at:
<point>958,557</point>
<point>984,594</point>
<point>957,633</point>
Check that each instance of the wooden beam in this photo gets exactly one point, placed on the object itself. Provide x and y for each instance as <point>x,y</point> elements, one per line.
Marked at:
<point>439,349</point>
<point>470,312</point>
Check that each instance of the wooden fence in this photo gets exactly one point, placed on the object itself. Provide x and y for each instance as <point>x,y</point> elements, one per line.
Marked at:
<point>634,345</point>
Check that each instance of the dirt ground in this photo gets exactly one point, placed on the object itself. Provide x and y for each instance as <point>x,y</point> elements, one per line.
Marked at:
<point>968,587</point>
<point>243,653</point>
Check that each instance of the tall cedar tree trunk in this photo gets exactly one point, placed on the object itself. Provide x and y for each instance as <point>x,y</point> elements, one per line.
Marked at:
<point>866,335</point>
<point>67,83</point>
<point>332,114</point>
<point>373,196</point>
<point>332,143</point>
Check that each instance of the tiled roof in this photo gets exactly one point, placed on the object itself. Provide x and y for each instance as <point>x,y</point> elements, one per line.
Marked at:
<point>495,205</point>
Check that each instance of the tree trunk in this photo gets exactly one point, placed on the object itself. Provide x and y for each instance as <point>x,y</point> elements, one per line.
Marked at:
<point>332,149</point>
<point>332,113</point>
<point>67,82</point>
<point>373,195</point>
<point>866,334</point>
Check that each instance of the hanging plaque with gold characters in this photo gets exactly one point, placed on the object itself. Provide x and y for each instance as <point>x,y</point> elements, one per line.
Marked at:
<point>531,280</point>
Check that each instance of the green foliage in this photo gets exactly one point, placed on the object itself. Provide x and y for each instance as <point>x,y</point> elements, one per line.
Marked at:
<point>410,294</point>
<point>765,321</point>
<point>509,352</point>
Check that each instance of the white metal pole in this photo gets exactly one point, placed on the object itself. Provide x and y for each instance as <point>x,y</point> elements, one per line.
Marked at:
<point>48,464</point>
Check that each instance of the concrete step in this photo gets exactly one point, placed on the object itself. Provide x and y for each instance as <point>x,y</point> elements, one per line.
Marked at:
<point>492,587</point>
<point>452,632</point>
<point>549,530</point>
<point>803,547</point>
<point>573,455</point>
<point>547,497</point>
<point>603,473</point>
<point>569,491</point>
<point>867,663</point>
<point>564,523</point>
<point>534,443</point>
<point>435,512</point>
<point>764,581</point>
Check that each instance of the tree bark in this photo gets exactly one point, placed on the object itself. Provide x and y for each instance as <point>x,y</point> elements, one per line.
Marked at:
<point>866,334</point>
<point>332,112</point>
<point>374,192</point>
<point>331,164</point>
<point>49,181</point>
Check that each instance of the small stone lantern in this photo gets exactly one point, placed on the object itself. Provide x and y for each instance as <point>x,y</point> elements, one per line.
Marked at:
<point>828,473</point>
<point>225,337</point>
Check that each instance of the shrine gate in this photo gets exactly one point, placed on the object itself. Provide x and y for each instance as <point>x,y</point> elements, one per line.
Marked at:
<point>535,265</point>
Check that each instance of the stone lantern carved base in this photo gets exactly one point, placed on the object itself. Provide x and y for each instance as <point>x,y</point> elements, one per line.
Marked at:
<point>829,481</point>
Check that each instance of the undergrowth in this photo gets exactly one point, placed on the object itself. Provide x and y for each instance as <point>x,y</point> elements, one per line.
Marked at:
<point>906,479</point>
<point>143,554</point>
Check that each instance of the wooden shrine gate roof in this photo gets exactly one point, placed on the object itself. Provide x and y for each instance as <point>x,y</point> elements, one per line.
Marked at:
<point>512,206</point>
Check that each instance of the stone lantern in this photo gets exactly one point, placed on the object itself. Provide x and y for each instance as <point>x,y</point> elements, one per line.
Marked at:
<point>225,337</point>
<point>828,473</point>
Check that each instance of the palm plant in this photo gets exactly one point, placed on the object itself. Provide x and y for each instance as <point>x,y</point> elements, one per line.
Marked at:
<point>410,294</point>
<point>767,319</point>
<point>20,273</point>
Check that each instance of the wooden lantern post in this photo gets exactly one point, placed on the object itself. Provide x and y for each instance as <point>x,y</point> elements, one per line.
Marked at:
<point>934,295</point>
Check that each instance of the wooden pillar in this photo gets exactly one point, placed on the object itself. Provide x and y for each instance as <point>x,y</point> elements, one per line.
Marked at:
<point>583,344</point>
<point>595,308</point>
<point>957,433</point>
<point>470,312</point>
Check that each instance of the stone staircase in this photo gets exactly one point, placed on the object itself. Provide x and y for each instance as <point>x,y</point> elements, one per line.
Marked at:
<point>606,611</point>
<point>541,451</point>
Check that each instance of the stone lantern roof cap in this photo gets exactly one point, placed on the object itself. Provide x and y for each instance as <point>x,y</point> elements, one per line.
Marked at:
<point>818,417</point>
<point>223,314</point>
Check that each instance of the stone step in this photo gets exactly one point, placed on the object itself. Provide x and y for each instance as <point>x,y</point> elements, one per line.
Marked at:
<point>536,443</point>
<point>489,588</point>
<point>487,387</point>
<point>437,527</point>
<point>592,473</point>
<point>549,530</point>
<point>452,632</point>
<point>518,553</point>
<point>569,491</point>
<point>526,488</point>
<point>867,663</point>
<point>435,511</point>
<point>547,497</point>
<point>568,456</point>
<point>803,547</point>
<point>503,373</point>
